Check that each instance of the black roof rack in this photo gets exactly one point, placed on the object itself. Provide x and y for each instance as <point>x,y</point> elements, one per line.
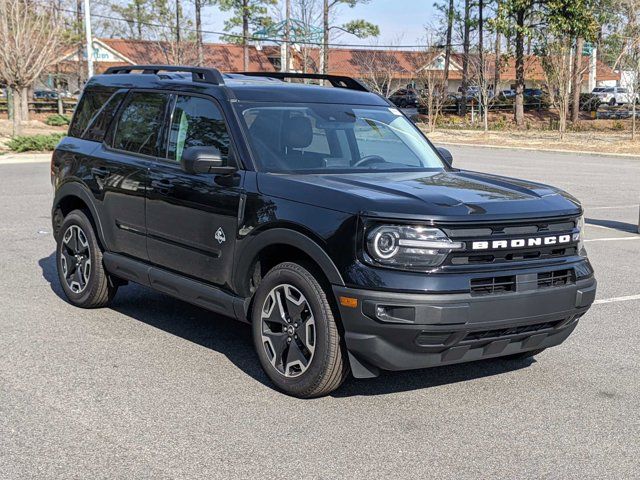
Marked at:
<point>199,74</point>
<point>335,80</point>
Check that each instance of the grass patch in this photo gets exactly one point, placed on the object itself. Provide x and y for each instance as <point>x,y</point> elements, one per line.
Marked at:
<point>57,120</point>
<point>34,143</point>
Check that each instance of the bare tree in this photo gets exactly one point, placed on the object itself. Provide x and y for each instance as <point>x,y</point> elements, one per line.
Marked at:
<point>30,41</point>
<point>432,80</point>
<point>629,58</point>
<point>481,71</point>
<point>380,70</point>
<point>556,61</point>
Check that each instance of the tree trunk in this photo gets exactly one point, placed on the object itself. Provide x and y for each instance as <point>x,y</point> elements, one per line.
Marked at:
<point>519,107</point>
<point>79,70</point>
<point>200,53</point>
<point>17,112</point>
<point>447,47</point>
<point>245,34</point>
<point>497,67</point>
<point>287,16</point>
<point>465,56</point>
<point>577,80</point>
<point>177,58</point>
<point>484,90</point>
<point>24,101</point>
<point>325,37</point>
<point>139,19</point>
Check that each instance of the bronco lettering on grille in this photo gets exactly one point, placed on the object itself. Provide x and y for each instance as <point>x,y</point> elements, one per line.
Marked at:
<point>521,242</point>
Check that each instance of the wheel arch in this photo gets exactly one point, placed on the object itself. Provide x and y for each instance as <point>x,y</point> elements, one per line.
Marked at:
<point>275,245</point>
<point>72,196</point>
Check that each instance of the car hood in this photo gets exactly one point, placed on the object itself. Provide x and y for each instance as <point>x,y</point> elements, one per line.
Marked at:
<point>450,195</point>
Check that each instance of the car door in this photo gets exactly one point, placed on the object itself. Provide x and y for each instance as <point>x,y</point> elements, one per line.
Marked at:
<point>192,218</point>
<point>120,170</point>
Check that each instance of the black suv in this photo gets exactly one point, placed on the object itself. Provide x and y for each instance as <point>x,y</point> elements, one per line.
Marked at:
<point>322,216</point>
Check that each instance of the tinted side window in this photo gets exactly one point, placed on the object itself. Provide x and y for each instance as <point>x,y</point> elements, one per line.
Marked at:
<point>90,103</point>
<point>100,122</point>
<point>140,122</point>
<point>196,122</point>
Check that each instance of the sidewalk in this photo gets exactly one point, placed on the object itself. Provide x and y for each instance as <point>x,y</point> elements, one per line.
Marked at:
<point>598,143</point>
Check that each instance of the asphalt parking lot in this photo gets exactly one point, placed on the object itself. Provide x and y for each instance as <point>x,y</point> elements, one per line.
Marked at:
<point>157,388</point>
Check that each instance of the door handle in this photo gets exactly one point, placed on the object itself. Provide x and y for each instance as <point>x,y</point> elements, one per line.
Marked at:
<point>161,186</point>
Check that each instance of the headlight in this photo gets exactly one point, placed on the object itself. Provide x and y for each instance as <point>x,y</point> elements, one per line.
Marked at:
<point>579,236</point>
<point>409,245</point>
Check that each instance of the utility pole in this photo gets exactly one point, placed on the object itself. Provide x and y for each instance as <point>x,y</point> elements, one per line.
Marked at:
<point>87,31</point>
<point>324,58</point>
<point>287,20</point>
<point>178,27</point>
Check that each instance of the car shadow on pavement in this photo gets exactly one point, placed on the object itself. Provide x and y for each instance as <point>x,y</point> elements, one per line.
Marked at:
<point>612,224</point>
<point>233,339</point>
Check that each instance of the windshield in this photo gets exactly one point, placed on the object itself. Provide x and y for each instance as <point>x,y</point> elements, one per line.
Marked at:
<point>328,137</point>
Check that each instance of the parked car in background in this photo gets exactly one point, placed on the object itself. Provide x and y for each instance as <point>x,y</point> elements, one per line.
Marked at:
<point>405,97</point>
<point>510,93</point>
<point>612,95</point>
<point>45,95</point>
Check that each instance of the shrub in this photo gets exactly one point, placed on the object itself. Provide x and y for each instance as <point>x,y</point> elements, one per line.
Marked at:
<point>34,143</point>
<point>617,125</point>
<point>58,120</point>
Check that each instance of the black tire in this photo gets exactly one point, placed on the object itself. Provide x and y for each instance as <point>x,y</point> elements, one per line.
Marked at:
<point>524,355</point>
<point>613,102</point>
<point>327,366</point>
<point>89,288</point>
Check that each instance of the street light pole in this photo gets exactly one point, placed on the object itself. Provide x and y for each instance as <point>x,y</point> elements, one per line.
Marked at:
<point>87,31</point>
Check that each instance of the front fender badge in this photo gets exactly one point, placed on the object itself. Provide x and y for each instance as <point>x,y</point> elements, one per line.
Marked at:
<point>220,236</point>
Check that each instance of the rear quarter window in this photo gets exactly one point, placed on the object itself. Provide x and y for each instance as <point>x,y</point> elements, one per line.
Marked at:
<point>90,104</point>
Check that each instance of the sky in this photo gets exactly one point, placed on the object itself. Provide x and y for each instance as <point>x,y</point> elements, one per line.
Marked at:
<point>400,21</point>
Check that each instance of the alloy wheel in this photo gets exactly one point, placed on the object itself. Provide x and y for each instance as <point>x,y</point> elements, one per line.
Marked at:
<point>75,259</point>
<point>288,330</point>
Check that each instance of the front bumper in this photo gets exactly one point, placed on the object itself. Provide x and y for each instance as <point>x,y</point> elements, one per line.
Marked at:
<point>400,331</point>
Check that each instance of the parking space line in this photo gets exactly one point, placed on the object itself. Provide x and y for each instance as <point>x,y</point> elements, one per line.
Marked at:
<point>612,239</point>
<point>617,299</point>
<point>612,207</point>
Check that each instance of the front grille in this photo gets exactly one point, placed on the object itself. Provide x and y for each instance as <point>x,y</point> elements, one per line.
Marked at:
<point>509,284</point>
<point>556,278</point>
<point>504,332</point>
<point>493,285</point>
<point>469,233</point>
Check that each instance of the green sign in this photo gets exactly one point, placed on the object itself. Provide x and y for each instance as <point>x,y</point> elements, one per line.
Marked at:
<point>588,48</point>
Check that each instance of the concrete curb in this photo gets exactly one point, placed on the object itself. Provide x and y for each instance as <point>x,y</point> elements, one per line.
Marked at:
<point>537,149</point>
<point>18,158</point>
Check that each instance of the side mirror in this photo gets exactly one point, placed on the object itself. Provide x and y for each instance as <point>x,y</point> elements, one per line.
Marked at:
<point>204,160</point>
<point>446,155</point>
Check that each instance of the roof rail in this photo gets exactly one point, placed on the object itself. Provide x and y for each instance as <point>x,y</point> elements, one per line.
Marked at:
<point>200,74</point>
<point>338,81</point>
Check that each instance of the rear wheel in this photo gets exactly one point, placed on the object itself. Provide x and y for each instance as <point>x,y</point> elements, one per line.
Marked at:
<point>613,102</point>
<point>79,261</point>
<point>295,333</point>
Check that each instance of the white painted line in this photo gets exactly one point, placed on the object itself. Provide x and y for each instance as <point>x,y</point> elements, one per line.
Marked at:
<point>611,207</point>
<point>19,161</point>
<point>589,225</point>
<point>612,239</point>
<point>617,299</point>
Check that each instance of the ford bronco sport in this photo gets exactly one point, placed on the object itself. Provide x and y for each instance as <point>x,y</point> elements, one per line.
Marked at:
<point>321,216</point>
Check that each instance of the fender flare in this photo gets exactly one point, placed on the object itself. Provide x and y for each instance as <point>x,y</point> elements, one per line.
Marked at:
<point>72,189</point>
<point>296,239</point>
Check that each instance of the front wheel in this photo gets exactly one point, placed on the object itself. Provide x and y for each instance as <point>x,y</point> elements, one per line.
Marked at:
<point>79,260</point>
<point>295,333</point>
